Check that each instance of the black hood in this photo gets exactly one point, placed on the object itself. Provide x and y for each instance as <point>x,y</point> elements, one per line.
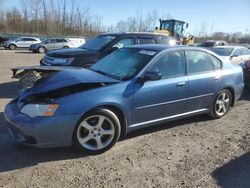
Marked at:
<point>71,52</point>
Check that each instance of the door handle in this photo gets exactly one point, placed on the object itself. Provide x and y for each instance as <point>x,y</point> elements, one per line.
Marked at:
<point>180,84</point>
<point>216,77</point>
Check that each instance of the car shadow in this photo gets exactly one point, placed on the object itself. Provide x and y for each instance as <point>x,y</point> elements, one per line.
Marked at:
<point>9,89</point>
<point>25,52</point>
<point>14,156</point>
<point>169,125</point>
<point>236,173</point>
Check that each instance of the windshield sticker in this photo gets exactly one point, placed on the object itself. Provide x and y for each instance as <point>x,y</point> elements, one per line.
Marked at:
<point>147,52</point>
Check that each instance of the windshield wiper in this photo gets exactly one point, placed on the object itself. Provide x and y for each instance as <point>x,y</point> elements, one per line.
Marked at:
<point>103,73</point>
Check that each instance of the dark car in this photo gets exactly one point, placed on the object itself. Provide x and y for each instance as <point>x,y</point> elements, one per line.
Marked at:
<point>102,45</point>
<point>3,39</point>
<point>246,70</point>
<point>213,43</point>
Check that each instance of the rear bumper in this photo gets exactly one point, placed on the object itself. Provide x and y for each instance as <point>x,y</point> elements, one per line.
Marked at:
<point>40,132</point>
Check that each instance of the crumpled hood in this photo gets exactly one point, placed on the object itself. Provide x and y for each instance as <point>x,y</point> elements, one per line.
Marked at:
<point>66,78</point>
<point>70,52</point>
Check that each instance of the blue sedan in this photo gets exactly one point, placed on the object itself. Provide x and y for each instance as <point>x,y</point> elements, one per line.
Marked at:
<point>132,88</point>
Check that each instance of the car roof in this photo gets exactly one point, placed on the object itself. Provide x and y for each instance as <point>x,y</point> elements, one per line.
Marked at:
<point>30,37</point>
<point>161,47</point>
<point>229,47</point>
<point>133,33</point>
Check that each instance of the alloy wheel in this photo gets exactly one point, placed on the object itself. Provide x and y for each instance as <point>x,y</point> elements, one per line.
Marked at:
<point>222,103</point>
<point>95,132</point>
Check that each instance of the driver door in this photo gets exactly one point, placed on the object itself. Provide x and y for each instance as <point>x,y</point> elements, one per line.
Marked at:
<point>164,98</point>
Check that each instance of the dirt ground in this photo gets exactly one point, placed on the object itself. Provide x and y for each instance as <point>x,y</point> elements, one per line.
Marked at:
<point>194,152</point>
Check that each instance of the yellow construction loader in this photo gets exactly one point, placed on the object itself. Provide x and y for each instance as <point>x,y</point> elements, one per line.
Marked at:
<point>176,29</point>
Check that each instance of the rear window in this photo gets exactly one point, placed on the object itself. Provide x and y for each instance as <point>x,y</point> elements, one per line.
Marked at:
<point>222,51</point>
<point>207,44</point>
<point>146,41</point>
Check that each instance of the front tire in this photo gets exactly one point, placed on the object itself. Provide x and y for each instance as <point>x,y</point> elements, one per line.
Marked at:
<point>12,47</point>
<point>41,50</point>
<point>97,132</point>
<point>221,104</point>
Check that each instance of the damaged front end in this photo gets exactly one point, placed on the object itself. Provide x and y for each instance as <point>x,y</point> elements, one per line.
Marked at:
<point>60,92</point>
<point>28,75</point>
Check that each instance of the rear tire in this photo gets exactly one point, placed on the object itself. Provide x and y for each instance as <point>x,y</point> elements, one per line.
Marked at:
<point>65,47</point>
<point>42,50</point>
<point>12,47</point>
<point>222,104</point>
<point>96,132</point>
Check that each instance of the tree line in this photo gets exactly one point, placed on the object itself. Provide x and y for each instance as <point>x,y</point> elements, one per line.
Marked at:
<point>68,18</point>
<point>49,17</point>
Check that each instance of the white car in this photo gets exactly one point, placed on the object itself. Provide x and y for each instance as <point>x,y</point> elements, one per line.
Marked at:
<point>235,54</point>
<point>22,42</point>
<point>76,42</point>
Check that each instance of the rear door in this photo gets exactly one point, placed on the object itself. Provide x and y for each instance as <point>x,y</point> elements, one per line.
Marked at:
<point>164,98</point>
<point>204,78</point>
<point>28,42</point>
<point>20,42</point>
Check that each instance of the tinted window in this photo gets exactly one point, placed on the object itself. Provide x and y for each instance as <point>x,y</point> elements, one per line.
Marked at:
<point>207,44</point>
<point>222,51</point>
<point>199,61</point>
<point>146,41</point>
<point>98,43</point>
<point>60,40</point>
<point>165,39</point>
<point>53,40</point>
<point>29,39</point>
<point>124,42</point>
<point>170,64</point>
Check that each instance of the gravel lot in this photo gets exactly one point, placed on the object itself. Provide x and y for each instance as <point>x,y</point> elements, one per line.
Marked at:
<point>194,152</point>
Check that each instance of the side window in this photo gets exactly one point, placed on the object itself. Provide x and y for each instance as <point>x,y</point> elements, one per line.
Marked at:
<point>146,41</point>
<point>124,42</point>
<point>199,61</point>
<point>19,40</point>
<point>171,64</point>
<point>245,51</point>
<point>60,40</point>
<point>29,39</point>
<point>237,52</point>
<point>53,41</point>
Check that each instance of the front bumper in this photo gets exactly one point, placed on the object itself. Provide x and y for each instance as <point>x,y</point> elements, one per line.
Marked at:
<point>5,45</point>
<point>41,132</point>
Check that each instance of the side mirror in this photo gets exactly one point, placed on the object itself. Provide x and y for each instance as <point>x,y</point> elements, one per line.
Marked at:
<point>232,56</point>
<point>150,76</point>
<point>187,25</point>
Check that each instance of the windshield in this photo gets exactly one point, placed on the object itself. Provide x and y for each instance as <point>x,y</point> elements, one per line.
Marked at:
<point>97,43</point>
<point>207,44</point>
<point>123,63</point>
<point>222,51</point>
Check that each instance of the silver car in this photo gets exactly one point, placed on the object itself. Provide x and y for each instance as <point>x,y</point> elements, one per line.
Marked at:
<point>22,42</point>
<point>234,54</point>
<point>50,44</point>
